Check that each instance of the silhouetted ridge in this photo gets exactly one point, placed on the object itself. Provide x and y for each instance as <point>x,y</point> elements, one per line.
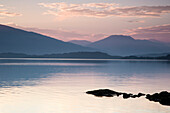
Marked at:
<point>126,45</point>
<point>85,55</point>
<point>119,37</point>
<point>20,41</point>
<point>95,55</point>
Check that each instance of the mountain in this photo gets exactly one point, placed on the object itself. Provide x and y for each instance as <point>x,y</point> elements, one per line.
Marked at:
<point>126,45</point>
<point>20,41</point>
<point>153,40</point>
<point>153,55</point>
<point>85,55</point>
<point>96,55</point>
<point>80,42</point>
<point>81,55</point>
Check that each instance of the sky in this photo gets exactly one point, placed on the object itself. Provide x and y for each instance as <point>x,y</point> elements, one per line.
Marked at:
<point>89,19</point>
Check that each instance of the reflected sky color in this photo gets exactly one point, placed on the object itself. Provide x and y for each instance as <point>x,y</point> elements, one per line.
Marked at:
<point>61,88</point>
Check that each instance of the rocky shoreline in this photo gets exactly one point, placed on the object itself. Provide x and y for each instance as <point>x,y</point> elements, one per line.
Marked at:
<point>163,97</point>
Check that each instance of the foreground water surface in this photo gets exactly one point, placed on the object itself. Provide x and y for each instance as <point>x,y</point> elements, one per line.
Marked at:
<point>32,85</point>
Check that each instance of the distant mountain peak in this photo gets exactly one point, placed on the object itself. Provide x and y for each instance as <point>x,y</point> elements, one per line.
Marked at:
<point>116,38</point>
<point>126,45</point>
<point>120,37</point>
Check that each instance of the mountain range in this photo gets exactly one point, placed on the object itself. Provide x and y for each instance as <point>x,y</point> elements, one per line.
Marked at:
<point>126,45</point>
<point>19,41</point>
<point>81,55</point>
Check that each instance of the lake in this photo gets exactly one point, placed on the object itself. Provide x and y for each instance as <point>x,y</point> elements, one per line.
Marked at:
<point>44,85</point>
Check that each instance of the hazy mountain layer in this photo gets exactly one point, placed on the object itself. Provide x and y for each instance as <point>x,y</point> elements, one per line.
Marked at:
<point>126,45</point>
<point>20,41</point>
<point>81,42</point>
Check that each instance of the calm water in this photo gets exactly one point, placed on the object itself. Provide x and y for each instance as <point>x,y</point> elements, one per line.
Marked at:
<point>59,86</point>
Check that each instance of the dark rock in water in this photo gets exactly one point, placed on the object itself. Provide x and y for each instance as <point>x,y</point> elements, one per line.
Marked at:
<point>162,97</point>
<point>138,95</point>
<point>134,96</point>
<point>125,95</point>
<point>111,93</point>
<point>141,94</point>
<point>104,92</point>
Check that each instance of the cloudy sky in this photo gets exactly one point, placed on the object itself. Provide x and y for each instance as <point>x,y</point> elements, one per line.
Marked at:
<point>89,19</point>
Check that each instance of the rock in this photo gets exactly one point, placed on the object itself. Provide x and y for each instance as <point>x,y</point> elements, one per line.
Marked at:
<point>104,92</point>
<point>111,93</point>
<point>134,96</point>
<point>138,95</point>
<point>162,97</point>
<point>141,94</point>
<point>125,95</point>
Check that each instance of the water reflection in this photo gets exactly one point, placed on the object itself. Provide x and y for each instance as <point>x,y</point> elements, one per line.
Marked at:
<point>59,86</point>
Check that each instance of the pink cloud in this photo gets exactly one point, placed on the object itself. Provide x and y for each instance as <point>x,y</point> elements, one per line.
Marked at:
<point>101,10</point>
<point>160,32</point>
<point>4,12</point>
<point>9,14</point>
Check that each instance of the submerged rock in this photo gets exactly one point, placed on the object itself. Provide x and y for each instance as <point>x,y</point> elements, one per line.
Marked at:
<point>162,97</point>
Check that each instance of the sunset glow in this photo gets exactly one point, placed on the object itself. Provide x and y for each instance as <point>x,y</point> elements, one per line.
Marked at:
<point>89,20</point>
